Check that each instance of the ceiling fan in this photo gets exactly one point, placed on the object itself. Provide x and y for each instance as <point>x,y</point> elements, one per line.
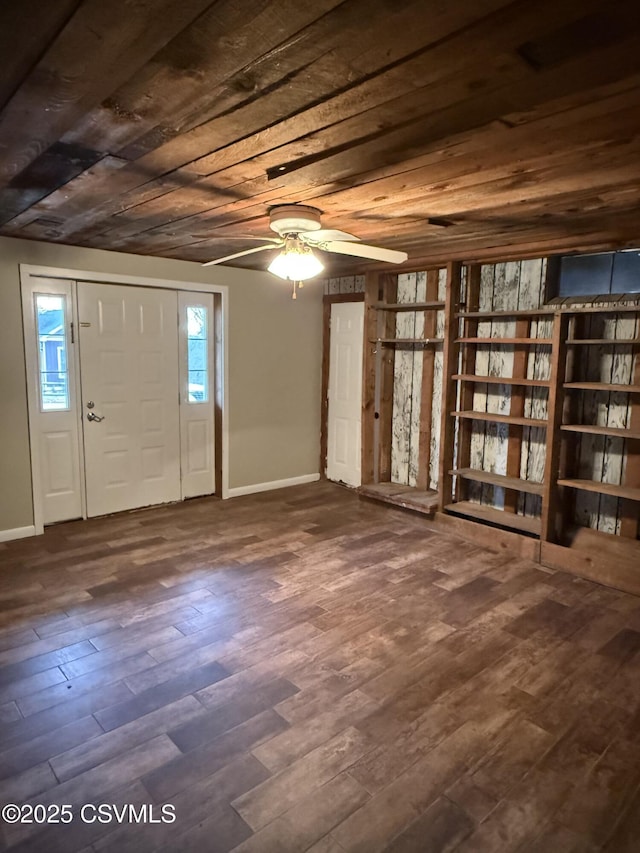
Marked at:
<point>299,232</point>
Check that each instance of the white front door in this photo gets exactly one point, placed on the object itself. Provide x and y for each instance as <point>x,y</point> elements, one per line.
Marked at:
<point>345,392</point>
<point>129,384</point>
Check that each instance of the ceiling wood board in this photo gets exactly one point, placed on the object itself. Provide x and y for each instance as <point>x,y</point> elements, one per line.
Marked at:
<point>449,130</point>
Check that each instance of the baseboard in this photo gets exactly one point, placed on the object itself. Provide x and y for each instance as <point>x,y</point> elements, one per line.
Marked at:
<point>17,533</point>
<point>274,484</point>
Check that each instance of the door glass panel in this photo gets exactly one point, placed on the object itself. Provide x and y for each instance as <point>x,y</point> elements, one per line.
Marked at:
<point>197,354</point>
<point>52,352</point>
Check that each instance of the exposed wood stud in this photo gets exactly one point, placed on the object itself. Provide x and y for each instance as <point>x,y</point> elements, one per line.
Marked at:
<point>467,367</point>
<point>550,497</point>
<point>449,387</point>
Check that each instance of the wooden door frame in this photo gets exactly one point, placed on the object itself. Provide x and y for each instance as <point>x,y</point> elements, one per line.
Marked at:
<point>327,301</point>
<point>30,273</point>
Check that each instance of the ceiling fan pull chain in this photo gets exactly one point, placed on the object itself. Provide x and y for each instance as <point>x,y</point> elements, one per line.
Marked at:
<point>295,295</point>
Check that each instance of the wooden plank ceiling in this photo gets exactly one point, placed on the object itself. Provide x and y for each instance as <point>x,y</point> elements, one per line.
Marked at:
<point>460,129</point>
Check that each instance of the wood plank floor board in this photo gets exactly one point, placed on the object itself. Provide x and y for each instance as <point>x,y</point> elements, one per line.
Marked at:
<point>302,670</point>
<point>160,696</point>
<point>94,785</point>
<point>78,835</point>
<point>45,747</point>
<point>310,819</point>
<point>441,827</point>
<point>60,693</point>
<point>204,800</point>
<point>229,714</point>
<point>40,663</point>
<point>283,790</point>
<point>23,730</point>
<point>90,753</point>
<point>205,760</point>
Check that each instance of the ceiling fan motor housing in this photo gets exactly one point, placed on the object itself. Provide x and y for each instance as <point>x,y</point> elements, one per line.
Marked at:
<point>294,219</point>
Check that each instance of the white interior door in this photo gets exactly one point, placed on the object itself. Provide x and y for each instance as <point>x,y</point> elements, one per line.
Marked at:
<point>129,382</point>
<point>345,392</point>
<point>196,394</point>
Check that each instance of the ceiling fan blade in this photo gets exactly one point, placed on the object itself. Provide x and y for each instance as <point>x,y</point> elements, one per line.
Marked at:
<point>241,254</point>
<point>325,234</point>
<point>361,250</point>
<point>246,237</point>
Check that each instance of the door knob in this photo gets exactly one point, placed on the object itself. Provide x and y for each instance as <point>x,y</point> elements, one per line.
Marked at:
<point>91,416</point>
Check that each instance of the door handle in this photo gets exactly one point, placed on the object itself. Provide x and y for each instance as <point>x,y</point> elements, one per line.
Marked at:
<point>91,416</point>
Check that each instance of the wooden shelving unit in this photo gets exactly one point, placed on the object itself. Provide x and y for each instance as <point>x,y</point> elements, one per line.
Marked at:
<point>464,385</point>
<point>382,310</point>
<point>542,428</point>
<point>572,427</point>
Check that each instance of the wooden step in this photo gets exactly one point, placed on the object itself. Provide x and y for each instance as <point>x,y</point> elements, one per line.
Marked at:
<point>403,496</point>
<point>496,516</point>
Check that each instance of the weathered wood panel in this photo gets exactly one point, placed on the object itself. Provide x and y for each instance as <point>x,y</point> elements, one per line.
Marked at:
<point>403,387</point>
<point>342,284</point>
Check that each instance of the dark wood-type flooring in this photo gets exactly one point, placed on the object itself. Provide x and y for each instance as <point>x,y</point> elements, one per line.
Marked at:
<point>304,670</point>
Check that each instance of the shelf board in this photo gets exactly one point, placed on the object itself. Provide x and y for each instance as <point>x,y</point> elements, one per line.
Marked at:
<point>392,341</point>
<point>408,306</point>
<point>496,516</point>
<point>501,380</point>
<point>402,496</point>
<point>499,480</point>
<point>497,315</point>
<point>501,419</point>
<point>607,308</point>
<point>614,432</point>
<point>602,386</point>
<point>506,341</point>
<point>628,492</point>
<point>611,342</point>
